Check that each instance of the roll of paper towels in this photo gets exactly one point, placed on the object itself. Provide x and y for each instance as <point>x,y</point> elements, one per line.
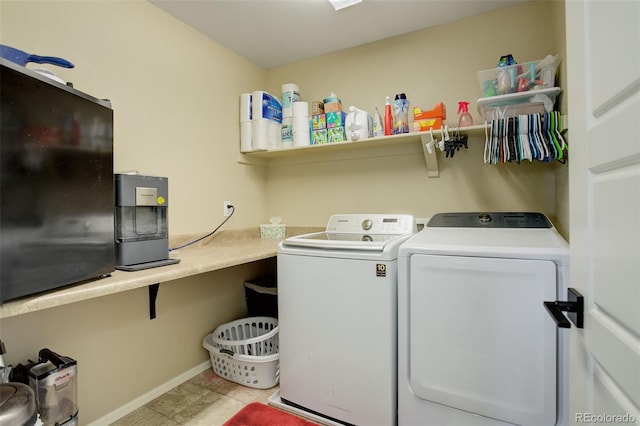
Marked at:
<point>290,94</point>
<point>275,135</point>
<point>301,137</point>
<point>260,134</point>
<point>301,109</point>
<point>300,124</point>
<point>245,107</point>
<point>266,113</point>
<point>287,132</point>
<point>246,140</point>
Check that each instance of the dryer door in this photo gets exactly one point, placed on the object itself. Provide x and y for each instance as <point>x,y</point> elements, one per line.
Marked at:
<point>478,340</point>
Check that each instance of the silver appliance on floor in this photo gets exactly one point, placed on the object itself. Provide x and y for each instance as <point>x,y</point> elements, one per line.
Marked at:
<point>18,405</point>
<point>475,343</point>
<point>54,380</point>
<point>337,318</point>
<point>142,236</point>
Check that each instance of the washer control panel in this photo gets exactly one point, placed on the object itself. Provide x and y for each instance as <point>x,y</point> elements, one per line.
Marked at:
<point>372,223</point>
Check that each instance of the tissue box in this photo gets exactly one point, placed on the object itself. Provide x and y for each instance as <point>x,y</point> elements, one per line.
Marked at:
<point>337,134</point>
<point>319,137</point>
<point>335,119</point>
<point>332,106</point>
<point>272,231</point>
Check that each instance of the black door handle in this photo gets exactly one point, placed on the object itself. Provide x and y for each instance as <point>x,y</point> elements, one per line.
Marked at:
<point>574,306</point>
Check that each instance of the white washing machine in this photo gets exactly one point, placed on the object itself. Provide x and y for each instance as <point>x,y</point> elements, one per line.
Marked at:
<point>337,301</point>
<point>475,343</point>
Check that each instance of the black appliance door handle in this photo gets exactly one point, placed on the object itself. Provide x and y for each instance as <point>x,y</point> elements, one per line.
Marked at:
<point>574,306</point>
<point>47,354</point>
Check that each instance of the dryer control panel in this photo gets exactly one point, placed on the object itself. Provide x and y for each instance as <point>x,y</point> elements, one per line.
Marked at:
<point>489,220</point>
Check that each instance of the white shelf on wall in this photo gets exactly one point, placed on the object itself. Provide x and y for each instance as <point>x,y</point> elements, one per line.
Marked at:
<point>346,149</point>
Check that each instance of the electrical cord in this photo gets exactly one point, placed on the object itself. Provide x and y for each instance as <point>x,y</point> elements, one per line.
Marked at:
<point>233,210</point>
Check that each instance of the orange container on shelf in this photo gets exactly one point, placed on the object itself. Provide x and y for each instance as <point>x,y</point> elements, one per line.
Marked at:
<point>425,120</point>
<point>426,124</point>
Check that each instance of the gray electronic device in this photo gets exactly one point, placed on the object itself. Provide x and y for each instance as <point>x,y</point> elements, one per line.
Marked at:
<point>142,236</point>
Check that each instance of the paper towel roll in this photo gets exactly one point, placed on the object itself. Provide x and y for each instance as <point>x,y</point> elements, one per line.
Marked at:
<point>287,132</point>
<point>265,105</point>
<point>266,113</point>
<point>260,134</point>
<point>275,135</point>
<point>301,138</point>
<point>301,134</point>
<point>290,94</point>
<point>245,107</point>
<point>246,141</point>
<point>301,109</point>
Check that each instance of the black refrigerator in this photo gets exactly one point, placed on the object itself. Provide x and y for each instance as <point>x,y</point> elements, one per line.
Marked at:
<point>56,184</point>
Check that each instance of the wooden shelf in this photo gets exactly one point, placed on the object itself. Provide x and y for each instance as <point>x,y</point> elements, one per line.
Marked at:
<point>263,157</point>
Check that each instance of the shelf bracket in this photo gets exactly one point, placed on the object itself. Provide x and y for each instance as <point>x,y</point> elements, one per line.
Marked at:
<point>429,157</point>
<point>153,295</point>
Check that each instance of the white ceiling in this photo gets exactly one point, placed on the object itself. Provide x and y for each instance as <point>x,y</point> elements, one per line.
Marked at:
<point>272,33</point>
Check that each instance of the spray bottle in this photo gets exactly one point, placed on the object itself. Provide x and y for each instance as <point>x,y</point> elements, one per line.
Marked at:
<point>388,118</point>
<point>465,119</point>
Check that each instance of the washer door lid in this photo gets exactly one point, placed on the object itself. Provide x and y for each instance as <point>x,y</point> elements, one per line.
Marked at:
<point>480,340</point>
<point>342,241</point>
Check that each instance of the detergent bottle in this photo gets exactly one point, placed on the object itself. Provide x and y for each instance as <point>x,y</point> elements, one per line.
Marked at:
<point>401,114</point>
<point>358,124</point>
<point>465,119</point>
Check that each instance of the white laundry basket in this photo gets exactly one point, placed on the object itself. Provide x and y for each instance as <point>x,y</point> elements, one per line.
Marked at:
<point>245,351</point>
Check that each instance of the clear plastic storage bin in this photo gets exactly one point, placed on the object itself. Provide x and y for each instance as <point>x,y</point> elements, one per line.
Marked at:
<point>245,351</point>
<point>519,78</point>
<point>531,102</point>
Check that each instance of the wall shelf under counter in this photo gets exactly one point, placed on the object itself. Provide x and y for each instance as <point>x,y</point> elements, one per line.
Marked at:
<point>347,149</point>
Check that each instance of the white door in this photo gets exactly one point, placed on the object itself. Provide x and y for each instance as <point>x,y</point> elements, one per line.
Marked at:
<point>603,64</point>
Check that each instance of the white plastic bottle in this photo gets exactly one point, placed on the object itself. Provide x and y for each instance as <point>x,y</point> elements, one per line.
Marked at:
<point>378,128</point>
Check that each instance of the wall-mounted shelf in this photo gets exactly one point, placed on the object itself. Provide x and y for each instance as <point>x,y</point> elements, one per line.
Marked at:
<point>263,157</point>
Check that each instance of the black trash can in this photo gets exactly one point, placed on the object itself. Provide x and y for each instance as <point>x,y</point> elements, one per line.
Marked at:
<point>261,295</point>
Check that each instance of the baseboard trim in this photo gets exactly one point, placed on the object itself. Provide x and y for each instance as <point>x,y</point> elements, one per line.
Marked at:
<point>133,405</point>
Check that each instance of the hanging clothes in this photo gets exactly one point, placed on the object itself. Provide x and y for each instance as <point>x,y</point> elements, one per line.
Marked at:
<point>525,137</point>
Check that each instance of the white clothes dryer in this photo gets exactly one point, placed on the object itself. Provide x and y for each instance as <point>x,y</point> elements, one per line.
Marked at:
<point>475,343</point>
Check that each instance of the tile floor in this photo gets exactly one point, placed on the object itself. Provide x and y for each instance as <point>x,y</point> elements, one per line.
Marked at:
<point>206,400</point>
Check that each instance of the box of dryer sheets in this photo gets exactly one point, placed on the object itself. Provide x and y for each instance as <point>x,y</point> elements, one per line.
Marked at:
<point>318,122</point>
<point>319,137</point>
<point>337,134</point>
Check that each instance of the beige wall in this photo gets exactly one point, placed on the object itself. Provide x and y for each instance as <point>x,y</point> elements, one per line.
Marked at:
<point>175,100</point>
<point>175,97</point>
<point>431,65</point>
<point>174,93</point>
